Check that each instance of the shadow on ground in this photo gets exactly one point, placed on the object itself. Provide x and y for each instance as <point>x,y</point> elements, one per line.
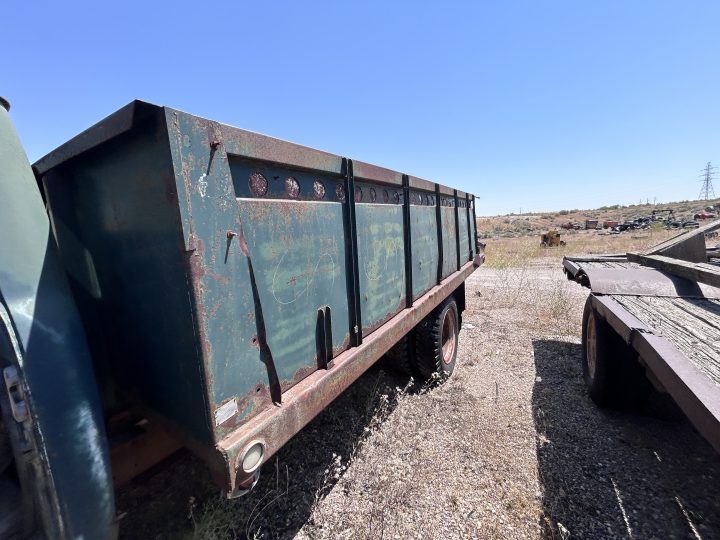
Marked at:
<point>608,474</point>
<point>178,499</point>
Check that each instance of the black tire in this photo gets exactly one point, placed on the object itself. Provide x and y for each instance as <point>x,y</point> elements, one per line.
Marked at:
<point>400,357</point>
<point>436,341</point>
<point>613,375</point>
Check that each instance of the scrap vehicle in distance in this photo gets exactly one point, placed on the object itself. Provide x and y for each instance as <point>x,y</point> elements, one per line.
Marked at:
<point>682,224</point>
<point>705,215</point>
<point>571,226</point>
<point>657,215</point>
<point>551,239</point>
<point>172,281</point>
<point>653,319</point>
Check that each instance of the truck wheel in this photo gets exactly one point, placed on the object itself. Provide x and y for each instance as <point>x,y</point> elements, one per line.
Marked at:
<point>612,372</point>
<point>400,357</point>
<point>436,341</point>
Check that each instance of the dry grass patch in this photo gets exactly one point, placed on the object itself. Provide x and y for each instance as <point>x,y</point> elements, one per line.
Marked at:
<point>522,251</point>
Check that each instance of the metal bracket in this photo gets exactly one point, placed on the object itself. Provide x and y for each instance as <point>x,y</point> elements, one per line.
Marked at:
<point>352,254</point>
<point>324,338</point>
<point>438,220</point>
<point>407,242</point>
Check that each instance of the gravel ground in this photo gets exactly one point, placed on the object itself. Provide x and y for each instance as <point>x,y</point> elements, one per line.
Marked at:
<point>510,446</point>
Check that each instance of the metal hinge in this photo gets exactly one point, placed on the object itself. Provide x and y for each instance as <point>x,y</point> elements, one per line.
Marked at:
<point>16,394</point>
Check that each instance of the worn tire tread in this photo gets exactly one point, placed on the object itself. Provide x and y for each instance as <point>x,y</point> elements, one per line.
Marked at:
<point>620,381</point>
<point>428,342</point>
<point>400,357</point>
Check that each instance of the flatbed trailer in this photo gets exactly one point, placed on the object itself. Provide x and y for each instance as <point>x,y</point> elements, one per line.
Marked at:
<point>653,318</point>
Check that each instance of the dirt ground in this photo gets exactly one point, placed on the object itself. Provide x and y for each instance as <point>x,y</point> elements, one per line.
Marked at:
<point>509,447</point>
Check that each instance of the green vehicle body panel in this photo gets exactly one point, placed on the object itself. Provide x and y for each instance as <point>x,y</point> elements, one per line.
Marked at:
<point>424,232</point>
<point>381,261</point>
<point>41,336</point>
<point>449,241</point>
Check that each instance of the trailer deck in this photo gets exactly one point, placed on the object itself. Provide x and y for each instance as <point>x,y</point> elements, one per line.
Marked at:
<point>692,325</point>
<point>665,304</point>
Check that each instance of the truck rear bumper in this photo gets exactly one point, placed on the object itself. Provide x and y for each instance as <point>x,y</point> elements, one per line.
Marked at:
<point>273,427</point>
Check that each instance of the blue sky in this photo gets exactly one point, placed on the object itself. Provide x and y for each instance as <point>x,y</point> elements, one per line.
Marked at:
<point>533,105</point>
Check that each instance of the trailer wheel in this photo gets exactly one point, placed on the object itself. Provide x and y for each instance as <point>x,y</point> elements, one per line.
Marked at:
<point>436,341</point>
<point>611,370</point>
<point>400,358</point>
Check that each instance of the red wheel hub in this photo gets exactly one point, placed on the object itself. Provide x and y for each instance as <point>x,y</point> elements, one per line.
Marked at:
<point>449,336</point>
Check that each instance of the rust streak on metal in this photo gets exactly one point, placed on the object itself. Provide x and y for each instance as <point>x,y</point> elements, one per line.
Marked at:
<point>299,375</point>
<point>397,309</point>
<point>419,183</point>
<point>366,171</point>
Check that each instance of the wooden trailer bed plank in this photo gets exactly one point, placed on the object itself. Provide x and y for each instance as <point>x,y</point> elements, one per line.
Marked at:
<point>691,324</point>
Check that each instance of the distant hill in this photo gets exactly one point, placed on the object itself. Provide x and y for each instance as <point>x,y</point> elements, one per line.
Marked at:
<point>530,224</point>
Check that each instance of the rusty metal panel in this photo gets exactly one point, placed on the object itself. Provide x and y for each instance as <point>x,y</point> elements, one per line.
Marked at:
<point>261,147</point>
<point>267,251</point>
<point>116,124</point>
<point>298,253</point>
<point>423,228</point>
<point>366,171</point>
<point>115,215</point>
<point>381,262</point>
<point>449,236</point>
<point>418,183</point>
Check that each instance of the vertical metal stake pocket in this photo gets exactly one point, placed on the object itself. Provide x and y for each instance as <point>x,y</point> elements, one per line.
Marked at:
<point>324,338</point>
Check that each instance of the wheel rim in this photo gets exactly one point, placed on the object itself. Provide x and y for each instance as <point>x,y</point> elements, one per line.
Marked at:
<point>590,349</point>
<point>449,336</point>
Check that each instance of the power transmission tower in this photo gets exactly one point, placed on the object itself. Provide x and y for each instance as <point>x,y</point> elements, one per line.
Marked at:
<point>707,191</point>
